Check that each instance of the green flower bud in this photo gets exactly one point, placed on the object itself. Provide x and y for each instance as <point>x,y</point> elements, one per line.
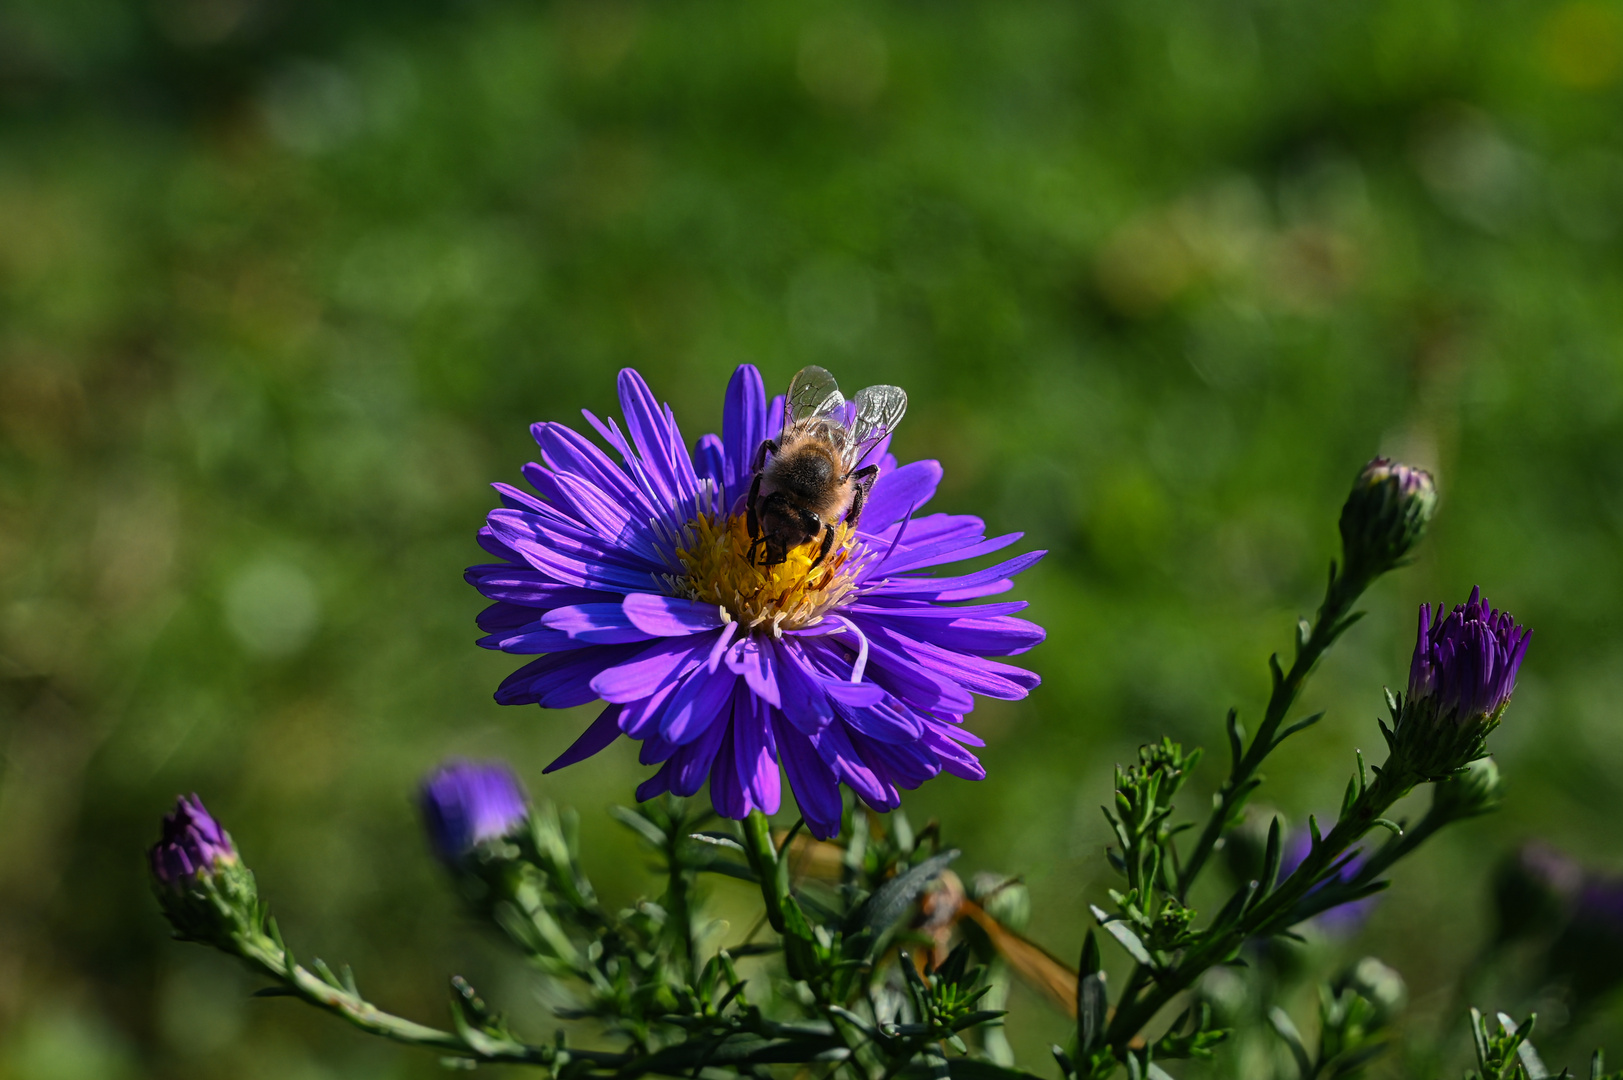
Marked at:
<point>1384,517</point>
<point>1473,790</point>
<point>1377,984</point>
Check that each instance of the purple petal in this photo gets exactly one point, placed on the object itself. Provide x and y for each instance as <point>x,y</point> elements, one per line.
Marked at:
<point>697,705</point>
<point>896,493</point>
<point>690,765</point>
<point>602,731</point>
<point>756,756</point>
<point>886,723</point>
<point>606,624</point>
<point>804,702</point>
<point>743,426</point>
<point>993,579</point>
<point>834,745</point>
<point>522,533</point>
<point>669,616</point>
<point>944,551</point>
<point>562,680</point>
<point>662,661</point>
<point>753,660</point>
<point>710,462</point>
<point>653,438</point>
<point>816,788</point>
<point>727,792</point>
<point>655,785</point>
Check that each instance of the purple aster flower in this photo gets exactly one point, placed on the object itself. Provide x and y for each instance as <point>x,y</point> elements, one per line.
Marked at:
<point>1468,661</point>
<point>1385,516</point>
<point>1460,681</point>
<point>633,578</point>
<point>192,845</point>
<point>1343,920</point>
<point>465,803</point>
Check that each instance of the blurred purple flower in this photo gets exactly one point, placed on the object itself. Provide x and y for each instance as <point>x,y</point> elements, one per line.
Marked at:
<point>633,579</point>
<point>191,844</point>
<point>466,802</point>
<point>1468,661</point>
<point>1343,920</point>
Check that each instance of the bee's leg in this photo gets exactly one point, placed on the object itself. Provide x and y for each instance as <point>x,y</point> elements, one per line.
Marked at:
<point>751,518</point>
<point>864,478</point>
<point>828,542</point>
<point>767,446</point>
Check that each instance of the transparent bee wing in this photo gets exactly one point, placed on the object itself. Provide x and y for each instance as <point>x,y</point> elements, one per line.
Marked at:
<point>878,410</point>
<point>813,394</point>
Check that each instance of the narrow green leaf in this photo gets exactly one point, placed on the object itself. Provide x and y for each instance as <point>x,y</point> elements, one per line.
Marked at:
<point>1292,1038</point>
<point>1123,935</point>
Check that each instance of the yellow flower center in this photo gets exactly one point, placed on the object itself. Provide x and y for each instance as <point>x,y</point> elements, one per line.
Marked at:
<point>788,596</point>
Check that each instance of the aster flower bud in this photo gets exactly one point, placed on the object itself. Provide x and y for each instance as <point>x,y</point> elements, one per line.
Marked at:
<point>1385,516</point>
<point>467,803</point>
<point>1474,790</point>
<point>205,890</point>
<point>1377,984</point>
<point>1460,681</point>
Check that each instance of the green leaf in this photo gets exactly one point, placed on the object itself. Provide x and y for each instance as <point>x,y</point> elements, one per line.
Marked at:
<point>1125,936</point>
<point>638,824</point>
<point>1092,1002</point>
<point>890,902</point>
<point>1286,1030</point>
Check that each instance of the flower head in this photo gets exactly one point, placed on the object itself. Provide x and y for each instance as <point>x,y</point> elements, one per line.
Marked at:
<point>202,884</point>
<point>465,803</point>
<point>192,845</point>
<point>1460,681</point>
<point>1469,660</point>
<point>1384,517</point>
<point>636,580</point>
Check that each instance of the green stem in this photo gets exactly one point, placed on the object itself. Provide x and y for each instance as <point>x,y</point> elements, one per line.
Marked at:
<point>263,953</point>
<point>763,859</point>
<point>677,901</point>
<point>1339,596</point>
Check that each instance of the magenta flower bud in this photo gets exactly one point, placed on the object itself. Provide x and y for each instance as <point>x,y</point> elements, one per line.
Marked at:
<point>466,803</point>
<point>1460,681</point>
<point>191,846</point>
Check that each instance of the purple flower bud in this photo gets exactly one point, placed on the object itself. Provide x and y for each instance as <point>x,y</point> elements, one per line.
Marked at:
<point>1343,920</point>
<point>1384,517</point>
<point>1460,680</point>
<point>192,846</point>
<point>1469,660</point>
<point>465,803</point>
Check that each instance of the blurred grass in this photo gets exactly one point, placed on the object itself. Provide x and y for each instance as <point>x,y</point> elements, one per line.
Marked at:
<point>282,285</point>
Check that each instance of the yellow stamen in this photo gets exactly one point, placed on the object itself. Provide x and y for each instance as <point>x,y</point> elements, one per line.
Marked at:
<point>789,596</point>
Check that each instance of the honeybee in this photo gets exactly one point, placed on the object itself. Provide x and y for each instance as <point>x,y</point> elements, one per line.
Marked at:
<point>813,473</point>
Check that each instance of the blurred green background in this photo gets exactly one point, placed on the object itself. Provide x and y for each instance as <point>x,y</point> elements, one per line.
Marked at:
<point>282,284</point>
